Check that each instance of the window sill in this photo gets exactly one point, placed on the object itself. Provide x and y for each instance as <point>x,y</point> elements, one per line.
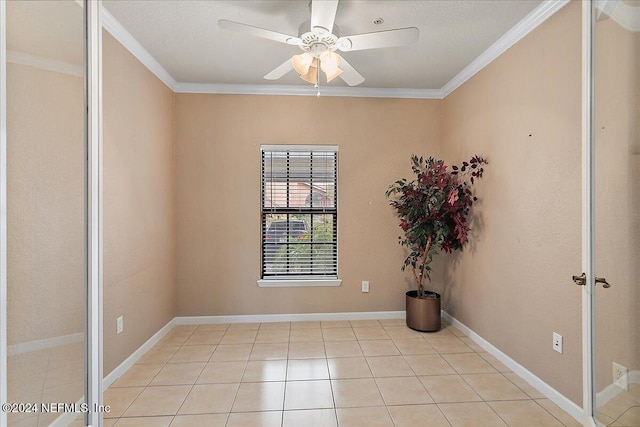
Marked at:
<point>298,283</point>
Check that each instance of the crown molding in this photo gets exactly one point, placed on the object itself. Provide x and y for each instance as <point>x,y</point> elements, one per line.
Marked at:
<point>44,63</point>
<point>511,37</point>
<point>116,29</point>
<point>299,90</point>
<point>628,17</point>
<point>520,30</point>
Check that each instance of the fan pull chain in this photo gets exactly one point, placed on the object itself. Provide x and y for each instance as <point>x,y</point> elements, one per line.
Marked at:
<point>318,81</point>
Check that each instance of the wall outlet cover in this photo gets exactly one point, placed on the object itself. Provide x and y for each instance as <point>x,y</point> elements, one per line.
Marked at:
<point>119,324</point>
<point>365,286</point>
<point>621,376</point>
<point>557,342</point>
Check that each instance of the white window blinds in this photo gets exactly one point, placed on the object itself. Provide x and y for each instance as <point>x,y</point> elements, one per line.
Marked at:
<point>299,211</point>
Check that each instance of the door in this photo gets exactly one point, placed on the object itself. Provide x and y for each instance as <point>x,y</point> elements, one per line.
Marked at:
<point>613,290</point>
<point>50,347</point>
<point>46,264</point>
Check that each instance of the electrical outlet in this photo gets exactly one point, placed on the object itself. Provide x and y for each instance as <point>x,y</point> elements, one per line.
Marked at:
<point>365,286</point>
<point>621,376</point>
<point>119,324</point>
<point>557,342</point>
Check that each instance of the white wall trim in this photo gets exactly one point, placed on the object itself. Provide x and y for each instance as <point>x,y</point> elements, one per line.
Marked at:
<point>521,29</point>
<point>567,405</point>
<point>299,90</point>
<point>42,63</point>
<point>301,283</point>
<point>628,17</point>
<point>261,318</point>
<point>300,147</point>
<point>511,37</point>
<point>43,344</point>
<point>549,392</point>
<point>587,208</point>
<point>609,392</point>
<point>136,355</point>
<point>301,317</point>
<point>93,209</point>
<point>67,418</point>
<point>116,29</point>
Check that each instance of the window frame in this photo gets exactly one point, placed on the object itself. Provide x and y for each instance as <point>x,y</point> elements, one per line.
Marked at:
<point>297,280</point>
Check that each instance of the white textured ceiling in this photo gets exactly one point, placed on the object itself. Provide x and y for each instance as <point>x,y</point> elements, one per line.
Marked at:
<point>184,38</point>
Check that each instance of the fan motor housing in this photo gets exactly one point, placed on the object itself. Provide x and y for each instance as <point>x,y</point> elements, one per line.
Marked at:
<point>317,42</point>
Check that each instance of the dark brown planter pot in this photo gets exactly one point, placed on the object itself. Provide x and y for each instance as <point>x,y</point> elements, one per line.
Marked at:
<point>423,314</point>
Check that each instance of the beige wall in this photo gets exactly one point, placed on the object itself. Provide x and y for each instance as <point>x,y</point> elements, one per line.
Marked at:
<point>182,182</point>
<point>45,204</point>
<point>218,140</point>
<point>139,203</point>
<point>617,141</point>
<point>513,287</point>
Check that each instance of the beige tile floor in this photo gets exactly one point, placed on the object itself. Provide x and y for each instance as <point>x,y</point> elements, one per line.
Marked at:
<point>623,410</point>
<point>49,375</point>
<point>364,373</point>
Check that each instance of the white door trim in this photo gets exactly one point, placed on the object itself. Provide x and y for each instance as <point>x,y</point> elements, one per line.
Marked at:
<point>3,208</point>
<point>93,81</point>
<point>587,213</point>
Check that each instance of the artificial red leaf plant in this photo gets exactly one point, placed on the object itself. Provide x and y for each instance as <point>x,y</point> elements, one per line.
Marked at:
<point>434,210</point>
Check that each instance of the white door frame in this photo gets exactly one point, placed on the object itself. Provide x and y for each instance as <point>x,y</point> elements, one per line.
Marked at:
<point>93,129</point>
<point>588,214</point>
<point>3,209</point>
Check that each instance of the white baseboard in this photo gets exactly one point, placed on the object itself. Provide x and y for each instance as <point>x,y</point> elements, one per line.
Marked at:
<point>67,418</point>
<point>46,343</point>
<point>136,355</point>
<point>609,392</point>
<point>264,318</point>
<point>549,392</point>
<point>552,394</point>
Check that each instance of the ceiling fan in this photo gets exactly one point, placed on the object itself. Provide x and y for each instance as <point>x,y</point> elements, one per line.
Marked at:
<point>320,42</point>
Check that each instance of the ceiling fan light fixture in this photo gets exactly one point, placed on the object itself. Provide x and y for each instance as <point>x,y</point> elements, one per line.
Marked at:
<point>319,38</point>
<point>329,61</point>
<point>302,62</point>
<point>311,75</point>
<point>332,75</point>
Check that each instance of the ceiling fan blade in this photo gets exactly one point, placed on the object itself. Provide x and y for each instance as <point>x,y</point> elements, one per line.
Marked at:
<point>323,14</point>
<point>280,70</point>
<point>258,32</point>
<point>349,74</point>
<point>399,37</point>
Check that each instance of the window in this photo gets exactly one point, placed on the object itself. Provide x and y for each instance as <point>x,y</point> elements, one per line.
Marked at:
<point>299,215</point>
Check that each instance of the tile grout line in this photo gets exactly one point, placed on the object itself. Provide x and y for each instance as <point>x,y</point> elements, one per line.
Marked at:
<point>286,375</point>
<point>547,411</point>
<point>195,381</point>
<point>235,396</point>
<point>326,360</point>
<point>166,363</point>
<point>333,395</point>
<point>529,396</point>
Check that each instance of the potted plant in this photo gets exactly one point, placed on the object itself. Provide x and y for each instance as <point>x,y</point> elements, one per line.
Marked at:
<point>434,211</point>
